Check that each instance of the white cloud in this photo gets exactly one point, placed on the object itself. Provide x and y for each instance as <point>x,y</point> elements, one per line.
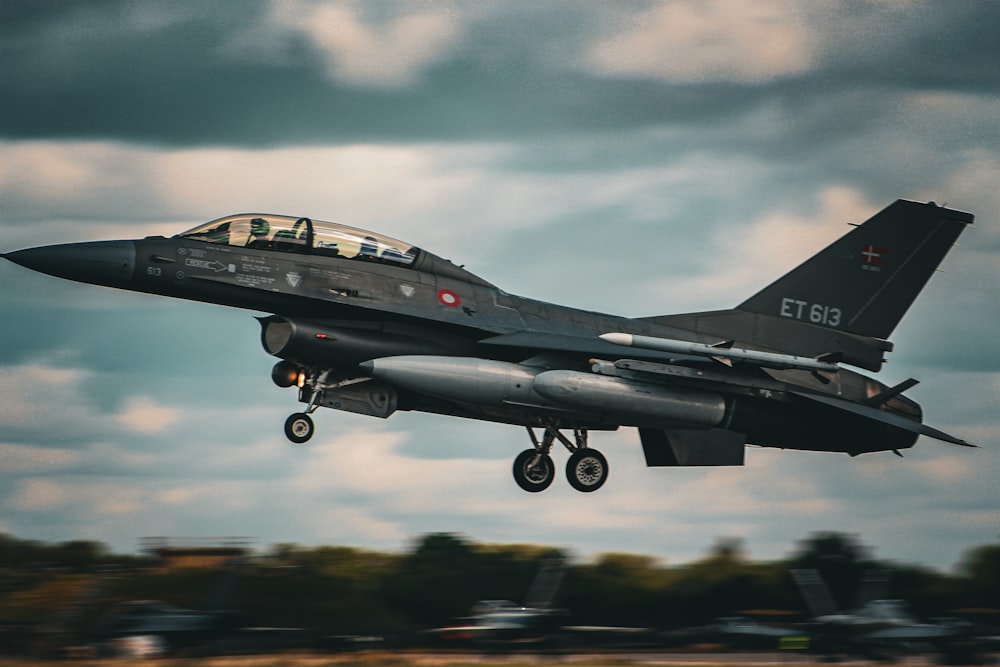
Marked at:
<point>709,40</point>
<point>143,415</point>
<point>746,259</point>
<point>25,459</point>
<point>386,54</point>
<point>181,495</point>
<point>369,462</point>
<point>433,195</point>
<point>361,522</point>
<point>949,468</point>
<point>41,494</point>
<point>94,500</point>
<point>28,393</point>
<point>116,499</point>
<point>352,184</point>
<point>974,184</point>
<point>38,401</point>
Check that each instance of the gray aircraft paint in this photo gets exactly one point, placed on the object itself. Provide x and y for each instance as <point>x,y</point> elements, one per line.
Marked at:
<point>371,325</point>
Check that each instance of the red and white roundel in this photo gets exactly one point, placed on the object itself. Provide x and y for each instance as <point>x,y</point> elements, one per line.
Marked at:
<point>448,298</point>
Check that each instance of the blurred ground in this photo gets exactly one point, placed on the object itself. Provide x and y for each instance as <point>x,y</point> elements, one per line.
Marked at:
<point>383,659</point>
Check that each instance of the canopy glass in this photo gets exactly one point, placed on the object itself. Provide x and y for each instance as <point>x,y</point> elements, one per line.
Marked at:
<point>287,234</point>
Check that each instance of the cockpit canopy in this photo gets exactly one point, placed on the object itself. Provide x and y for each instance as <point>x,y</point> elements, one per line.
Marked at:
<point>287,234</point>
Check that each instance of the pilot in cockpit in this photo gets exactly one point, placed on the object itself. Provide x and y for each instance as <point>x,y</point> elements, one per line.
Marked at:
<point>259,231</point>
<point>369,248</point>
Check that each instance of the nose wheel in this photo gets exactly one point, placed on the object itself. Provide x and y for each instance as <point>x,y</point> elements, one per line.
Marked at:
<point>299,428</point>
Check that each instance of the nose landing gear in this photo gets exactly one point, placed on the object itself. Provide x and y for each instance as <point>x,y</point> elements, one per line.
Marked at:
<point>586,470</point>
<point>299,428</point>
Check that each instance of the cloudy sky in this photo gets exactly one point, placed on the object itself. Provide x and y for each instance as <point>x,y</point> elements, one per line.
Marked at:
<point>638,158</point>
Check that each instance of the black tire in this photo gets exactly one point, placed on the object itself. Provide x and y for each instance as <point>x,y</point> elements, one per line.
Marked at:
<point>587,470</point>
<point>533,478</point>
<point>299,428</point>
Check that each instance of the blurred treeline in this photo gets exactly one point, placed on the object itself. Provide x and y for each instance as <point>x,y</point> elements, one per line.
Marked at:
<point>346,590</point>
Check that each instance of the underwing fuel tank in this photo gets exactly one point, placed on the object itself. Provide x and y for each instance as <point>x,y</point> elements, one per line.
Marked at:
<point>495,383</point>
<point>672,405</point>
<point>468,380</point>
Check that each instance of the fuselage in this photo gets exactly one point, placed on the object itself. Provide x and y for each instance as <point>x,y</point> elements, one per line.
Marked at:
<point>341,297</point>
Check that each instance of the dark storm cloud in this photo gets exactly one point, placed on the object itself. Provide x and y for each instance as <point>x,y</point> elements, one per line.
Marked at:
<point>191,73</point>
<point>921,45</point>
<point>97,70</point>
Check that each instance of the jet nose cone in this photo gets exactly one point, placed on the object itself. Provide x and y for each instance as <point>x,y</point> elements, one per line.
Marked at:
<point>109,263</point>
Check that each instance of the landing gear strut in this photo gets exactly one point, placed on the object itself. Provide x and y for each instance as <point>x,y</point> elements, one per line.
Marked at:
<point>326,388</point>
<point>299,427</point>
<point>587,469</point>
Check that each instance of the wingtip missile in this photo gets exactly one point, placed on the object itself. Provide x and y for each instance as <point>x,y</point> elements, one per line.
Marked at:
<point>720,353</point>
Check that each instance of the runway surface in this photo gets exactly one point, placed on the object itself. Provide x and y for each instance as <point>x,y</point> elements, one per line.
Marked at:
<point>430,659</point>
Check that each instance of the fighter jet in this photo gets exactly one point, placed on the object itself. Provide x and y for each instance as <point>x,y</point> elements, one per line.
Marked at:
<point>880,626</point>
<point>165,626</point>
<point>503,620</point>
<point>368,324</point>
<point>504,625</point>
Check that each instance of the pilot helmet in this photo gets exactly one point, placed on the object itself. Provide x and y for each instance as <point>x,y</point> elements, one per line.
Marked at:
<point>260,227</point>
<point>369,246</point>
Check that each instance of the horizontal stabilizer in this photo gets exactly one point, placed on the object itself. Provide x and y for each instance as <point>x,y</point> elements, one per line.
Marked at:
<point>884,417</point>
<point>884,397</point>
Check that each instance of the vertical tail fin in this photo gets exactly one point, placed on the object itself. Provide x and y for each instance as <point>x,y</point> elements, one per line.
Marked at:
<point>543,589</point>
<point>874,586</point>
<point>847,299</point>
<point>815,592</point>
<point>864,282</point>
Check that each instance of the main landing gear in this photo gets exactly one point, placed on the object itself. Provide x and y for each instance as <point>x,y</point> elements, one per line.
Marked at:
<point>586,470</point>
